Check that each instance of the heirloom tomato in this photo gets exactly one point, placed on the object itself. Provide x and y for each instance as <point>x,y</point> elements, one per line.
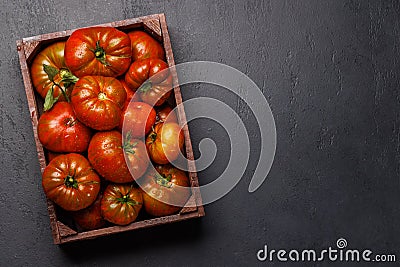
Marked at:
<point>106,154</point>
<point>90,218</point>
<point>121,203</point>
<point>165,190</point>
<point>60,131</point>
<point>70,182</point>
<point>98,101</point>
<point>151,79</point>
<point>138,118</point>
<point>103,51</point>
<point>165,142</point>
<point>145,46</point>
<point>53,56</point>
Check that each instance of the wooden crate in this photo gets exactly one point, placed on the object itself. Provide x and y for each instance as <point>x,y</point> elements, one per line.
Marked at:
<point>156,26</point>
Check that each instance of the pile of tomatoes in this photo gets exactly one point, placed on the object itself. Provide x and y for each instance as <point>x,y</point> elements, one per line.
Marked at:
<point>106,127</point>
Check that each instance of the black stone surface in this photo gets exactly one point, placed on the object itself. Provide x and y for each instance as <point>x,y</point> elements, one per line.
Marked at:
<point>330,71</point>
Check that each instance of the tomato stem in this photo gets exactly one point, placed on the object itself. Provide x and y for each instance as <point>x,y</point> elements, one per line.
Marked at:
<point>70,181</point>
<point>63,92</point>
<point>70,122</point>
<point>102,96</point>
<point>67,77</point>
<point>100,54</point>
<point>153,136</point>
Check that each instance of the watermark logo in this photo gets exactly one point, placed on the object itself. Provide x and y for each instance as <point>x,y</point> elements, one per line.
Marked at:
<point>340,253</point>
<point>242,86</point>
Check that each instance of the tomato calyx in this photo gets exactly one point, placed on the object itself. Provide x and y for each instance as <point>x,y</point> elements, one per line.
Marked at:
<point>102,96</point>
<point>127,146</point>
<point>127,200</point>
<point>70,181</point>
<point>163,180</point>
<point>70,122</point>
<point>153,136</point>
<point>67,77</point>
<point>146,86</point>
<point>100,54</point>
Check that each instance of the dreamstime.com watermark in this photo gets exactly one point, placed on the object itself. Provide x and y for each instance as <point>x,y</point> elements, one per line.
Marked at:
<point>340,253</point>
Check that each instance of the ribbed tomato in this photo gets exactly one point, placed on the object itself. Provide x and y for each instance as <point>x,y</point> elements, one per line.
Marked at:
<point>155,90</point>
<point>90,218</point>
<point>60,131</point>
<point>138,118</point>
<point>98,101</point>
<point>52,55</point>
<point>70,182</point>
<point>106,155</point>
<point>103,51</point>
<point>145,46</point>
<point>121,203</point>
<point>165,190</point>
<point>165,142</point>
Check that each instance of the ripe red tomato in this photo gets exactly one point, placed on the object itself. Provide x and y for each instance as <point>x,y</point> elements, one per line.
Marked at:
<point>165,142</point>
<point>131,96</point>
<point>138,119</point>
<point>52,55</point>
<point>70,182</point>
<point>145,46</point>
<point>98,101</point>
<point>103,51</point>
<point>164,112</point>
<point>90,218</point>
<point>121,203</point>
<point>154,91</point>
<point>106,154</point>
<point>60,131</point>
<point>161,196</point>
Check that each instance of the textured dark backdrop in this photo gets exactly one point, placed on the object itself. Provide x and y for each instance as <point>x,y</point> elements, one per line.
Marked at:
<point>330,71</point>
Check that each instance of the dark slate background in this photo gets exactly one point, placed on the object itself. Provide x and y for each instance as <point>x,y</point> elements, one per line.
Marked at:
<point>330,71</point>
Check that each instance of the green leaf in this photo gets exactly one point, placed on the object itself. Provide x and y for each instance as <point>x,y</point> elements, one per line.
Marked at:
<point>50,71</point>
<point>50,100</point>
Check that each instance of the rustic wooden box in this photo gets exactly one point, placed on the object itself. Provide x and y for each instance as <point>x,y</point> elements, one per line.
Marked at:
<point>28,48</point>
